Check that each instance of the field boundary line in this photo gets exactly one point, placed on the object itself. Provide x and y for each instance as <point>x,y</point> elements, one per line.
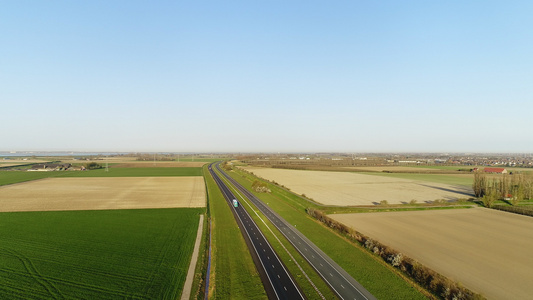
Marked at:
<point>187,287</point>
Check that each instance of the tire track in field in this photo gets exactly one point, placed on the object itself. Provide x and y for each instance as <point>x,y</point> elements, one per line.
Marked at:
<point>36,275</point>
<point>172,237</point>
<point>80,285</point>
<point>38,247</point>
<point>11,289</point>
<point>160,260</point>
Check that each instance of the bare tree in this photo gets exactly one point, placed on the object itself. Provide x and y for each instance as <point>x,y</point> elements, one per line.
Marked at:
<point>480,184</point>
<point>491,194</point>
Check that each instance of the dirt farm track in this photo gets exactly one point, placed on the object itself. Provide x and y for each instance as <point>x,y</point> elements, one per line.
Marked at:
<point>488,251</point>
<point>103,193</point>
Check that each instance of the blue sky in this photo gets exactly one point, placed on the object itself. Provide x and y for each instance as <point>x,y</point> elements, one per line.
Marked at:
<point>266,76</point>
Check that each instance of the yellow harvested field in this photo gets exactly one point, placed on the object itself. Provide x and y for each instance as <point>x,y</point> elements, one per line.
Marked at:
<point>486,250</point>
<point>345,189</point>
<point>103,193</point>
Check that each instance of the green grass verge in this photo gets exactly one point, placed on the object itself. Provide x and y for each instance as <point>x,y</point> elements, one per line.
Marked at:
<point>113,254</point>
<point>374,275</point>
<point>233,273</point>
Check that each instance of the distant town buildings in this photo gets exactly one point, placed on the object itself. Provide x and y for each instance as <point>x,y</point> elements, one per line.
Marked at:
<point>50,167</point>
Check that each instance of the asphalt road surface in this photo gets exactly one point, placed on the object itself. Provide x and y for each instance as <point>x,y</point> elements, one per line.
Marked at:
<point>276,279</point>
<point>339,281</point>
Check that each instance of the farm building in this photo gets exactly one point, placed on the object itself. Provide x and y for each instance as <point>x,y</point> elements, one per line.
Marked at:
<point>50,167</point>
<point>495,170</point>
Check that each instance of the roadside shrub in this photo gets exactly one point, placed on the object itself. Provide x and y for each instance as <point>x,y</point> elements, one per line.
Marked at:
<point>384,202</point>
<point>227,166</point>
<point>260,187</point>
<point>92,166</point>
<point>395,259</point>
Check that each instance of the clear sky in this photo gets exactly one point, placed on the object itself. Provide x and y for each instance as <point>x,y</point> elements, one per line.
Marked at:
<point>267,76</point>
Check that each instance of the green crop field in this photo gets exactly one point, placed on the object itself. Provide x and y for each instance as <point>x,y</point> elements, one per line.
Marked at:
<point>10,177</point>
<point>114,254</point>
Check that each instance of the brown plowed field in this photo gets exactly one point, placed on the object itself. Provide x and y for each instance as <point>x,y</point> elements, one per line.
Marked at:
<point>345,189</point>
<point>103,193</point>
<point>488,251</point>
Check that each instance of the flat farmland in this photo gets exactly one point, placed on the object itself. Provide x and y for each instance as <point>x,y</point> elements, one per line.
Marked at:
<point>345,189</point>
<point>98,193</point>
<point>16,162</point>
<point>133,172</point>
<point>110,254</point>
<point>486,250</point>
<point>389,168</point>
<point>160,164</point>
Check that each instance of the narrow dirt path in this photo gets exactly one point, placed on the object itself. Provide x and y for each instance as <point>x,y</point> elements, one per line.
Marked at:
<point>186,294</point>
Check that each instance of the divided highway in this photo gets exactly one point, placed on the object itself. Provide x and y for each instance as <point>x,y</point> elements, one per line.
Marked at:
<point>276,279</point>
<point>339,281</point>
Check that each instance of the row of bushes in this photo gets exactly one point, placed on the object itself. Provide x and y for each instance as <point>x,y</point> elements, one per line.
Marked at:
<point>527,211</point>
<point>434,282</point>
